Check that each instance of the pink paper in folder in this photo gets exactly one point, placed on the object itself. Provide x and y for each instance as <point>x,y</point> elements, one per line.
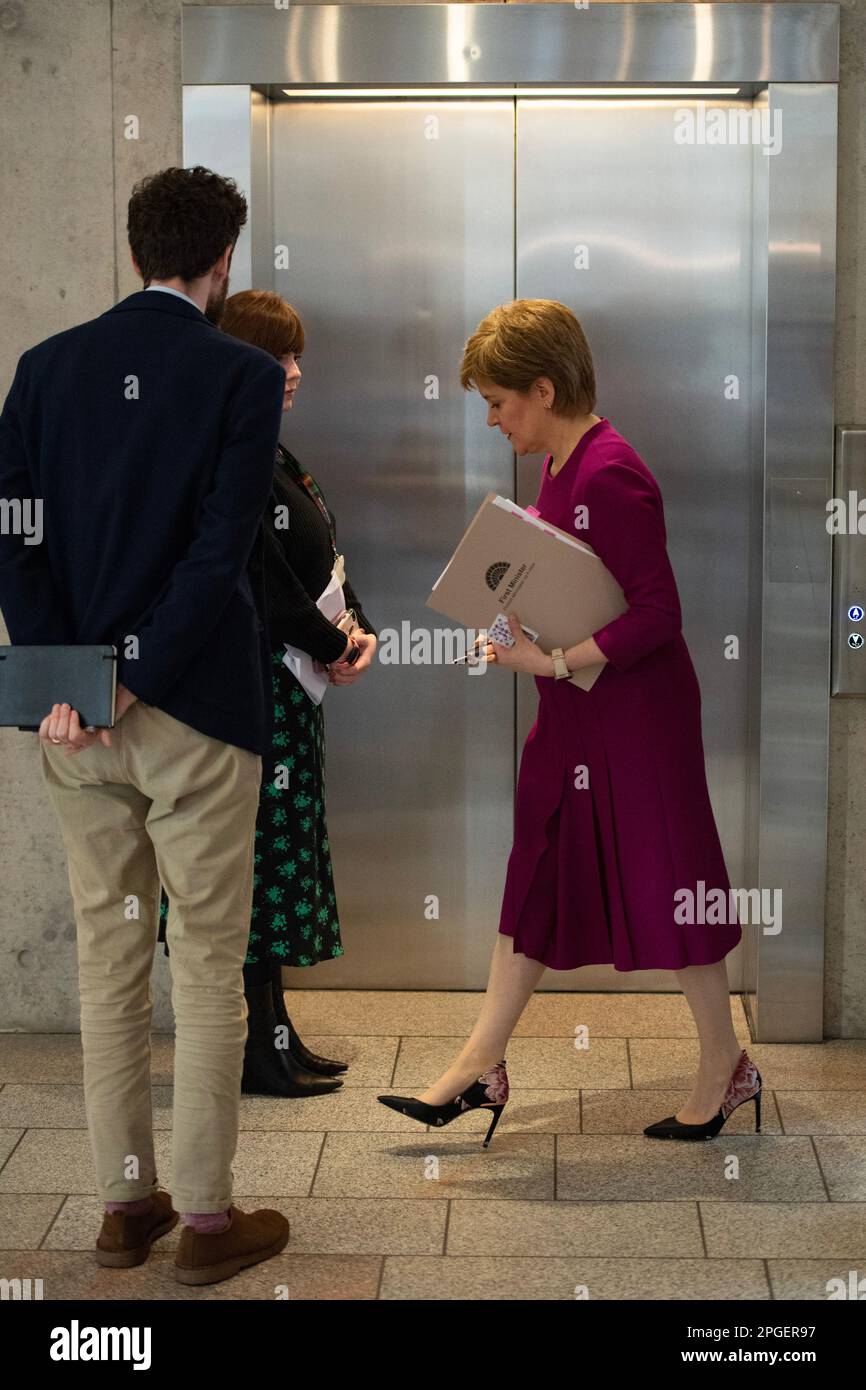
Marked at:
<point>533,511</point>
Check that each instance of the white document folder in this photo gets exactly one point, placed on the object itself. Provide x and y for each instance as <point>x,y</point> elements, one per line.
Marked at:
<point>312,674</point>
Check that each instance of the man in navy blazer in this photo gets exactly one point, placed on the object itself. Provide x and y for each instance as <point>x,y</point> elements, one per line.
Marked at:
<point>149,436</point>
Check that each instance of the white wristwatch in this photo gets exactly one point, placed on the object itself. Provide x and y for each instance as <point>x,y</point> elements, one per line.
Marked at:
<point>560,670</point>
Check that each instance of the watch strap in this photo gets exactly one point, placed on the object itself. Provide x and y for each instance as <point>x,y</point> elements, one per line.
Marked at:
<point>560,669</point>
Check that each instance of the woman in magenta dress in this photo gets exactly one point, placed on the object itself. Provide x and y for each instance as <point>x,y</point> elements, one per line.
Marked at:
<point>613,822</point>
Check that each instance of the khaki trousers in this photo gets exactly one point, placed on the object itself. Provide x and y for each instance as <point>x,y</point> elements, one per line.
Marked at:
<point>164,803</point>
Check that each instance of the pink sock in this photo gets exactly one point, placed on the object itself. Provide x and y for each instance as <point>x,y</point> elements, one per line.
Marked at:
<point>208,1223</point>
<point>137,1208</point>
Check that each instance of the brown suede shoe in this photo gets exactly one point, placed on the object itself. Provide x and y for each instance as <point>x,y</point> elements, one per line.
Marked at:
<point>126,1240</point>
<point>249,1237</point>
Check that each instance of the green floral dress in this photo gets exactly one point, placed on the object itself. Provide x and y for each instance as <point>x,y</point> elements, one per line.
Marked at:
<point>294,917</point>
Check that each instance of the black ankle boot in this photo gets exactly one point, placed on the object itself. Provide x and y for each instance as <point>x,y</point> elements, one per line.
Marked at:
<point>270,1070</point>
<point>311,1061</point>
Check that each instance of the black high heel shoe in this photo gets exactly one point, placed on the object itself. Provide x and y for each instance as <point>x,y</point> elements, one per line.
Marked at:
<point>307,1060</point>
<point>489,1092</point>
<point>745,1084</point>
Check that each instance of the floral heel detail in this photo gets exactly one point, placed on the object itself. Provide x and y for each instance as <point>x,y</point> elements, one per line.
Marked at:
<point>745,1084</point>
<point>489,1092</point>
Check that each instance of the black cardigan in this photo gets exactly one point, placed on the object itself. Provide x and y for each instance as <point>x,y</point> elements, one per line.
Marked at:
<point>298,560</point>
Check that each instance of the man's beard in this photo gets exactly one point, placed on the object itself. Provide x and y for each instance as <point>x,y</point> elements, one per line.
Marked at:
<point>216,303</point>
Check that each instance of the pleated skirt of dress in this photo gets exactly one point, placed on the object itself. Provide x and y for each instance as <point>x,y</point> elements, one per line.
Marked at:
<point>594,869</point>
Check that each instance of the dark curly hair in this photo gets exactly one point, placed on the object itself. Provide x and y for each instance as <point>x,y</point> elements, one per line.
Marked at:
<point>180,221</point>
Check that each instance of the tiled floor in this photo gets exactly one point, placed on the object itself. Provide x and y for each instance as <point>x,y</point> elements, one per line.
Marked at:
<point>570,1195</point>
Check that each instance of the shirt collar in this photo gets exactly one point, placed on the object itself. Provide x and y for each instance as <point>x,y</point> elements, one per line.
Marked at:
<point>167,289</point>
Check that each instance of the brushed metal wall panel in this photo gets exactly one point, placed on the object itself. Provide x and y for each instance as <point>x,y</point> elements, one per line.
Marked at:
<point>798,448</point>
<point>351,44</point>
<point>760,252</point>
<point>662,234</point>
<point>398,244</point>
<point>216,133</point>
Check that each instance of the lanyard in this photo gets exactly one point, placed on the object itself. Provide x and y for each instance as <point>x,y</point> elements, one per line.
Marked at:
<point>313,489</point>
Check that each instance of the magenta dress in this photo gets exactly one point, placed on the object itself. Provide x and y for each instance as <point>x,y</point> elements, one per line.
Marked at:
<point>594,869</point>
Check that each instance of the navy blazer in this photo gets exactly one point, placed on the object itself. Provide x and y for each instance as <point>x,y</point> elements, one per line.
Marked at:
<point>150,437</point>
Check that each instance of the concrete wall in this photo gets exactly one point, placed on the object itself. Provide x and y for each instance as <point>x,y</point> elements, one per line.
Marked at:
<point>69,74</point>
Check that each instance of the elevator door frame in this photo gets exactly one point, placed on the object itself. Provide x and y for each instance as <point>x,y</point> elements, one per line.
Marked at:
<point>236,59</point>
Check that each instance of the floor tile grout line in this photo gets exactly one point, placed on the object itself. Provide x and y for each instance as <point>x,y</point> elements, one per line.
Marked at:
<point>75,1038</point>
<point>324,1133</point>
<point>736,1204</point>
<point>518,1133</point>
<point>165,1043</point>
<point>53,1221</point>
<point>559,1201</point>
<point>392,1081</point>
<point>701,1229</point>
<point>336,1128</point>
<point>166,1254</point>
<point>820,1167</point>
<point>827,1044</point>
<point>369,1086</point>
<point>19,1141</point>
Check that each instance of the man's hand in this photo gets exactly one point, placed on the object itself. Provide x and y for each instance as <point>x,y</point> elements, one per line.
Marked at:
<point>340,673</point>
<point>63,726</point>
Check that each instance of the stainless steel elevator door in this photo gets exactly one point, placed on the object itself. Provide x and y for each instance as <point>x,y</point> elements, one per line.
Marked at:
<point>648,241</point>
<point>398,220</point>
<point>400,232</point>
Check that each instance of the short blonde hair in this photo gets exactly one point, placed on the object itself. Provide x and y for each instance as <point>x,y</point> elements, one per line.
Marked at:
<point>518,342</point>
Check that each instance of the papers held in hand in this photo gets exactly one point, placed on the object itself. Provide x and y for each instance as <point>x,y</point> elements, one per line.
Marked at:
<point>313,675</point>
<point>511,561</point>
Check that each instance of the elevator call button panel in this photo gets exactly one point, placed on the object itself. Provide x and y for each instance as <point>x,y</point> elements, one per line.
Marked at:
<point>847,523</point>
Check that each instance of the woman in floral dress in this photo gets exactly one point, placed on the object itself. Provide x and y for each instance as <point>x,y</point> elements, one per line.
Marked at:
<point>294,914</point>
